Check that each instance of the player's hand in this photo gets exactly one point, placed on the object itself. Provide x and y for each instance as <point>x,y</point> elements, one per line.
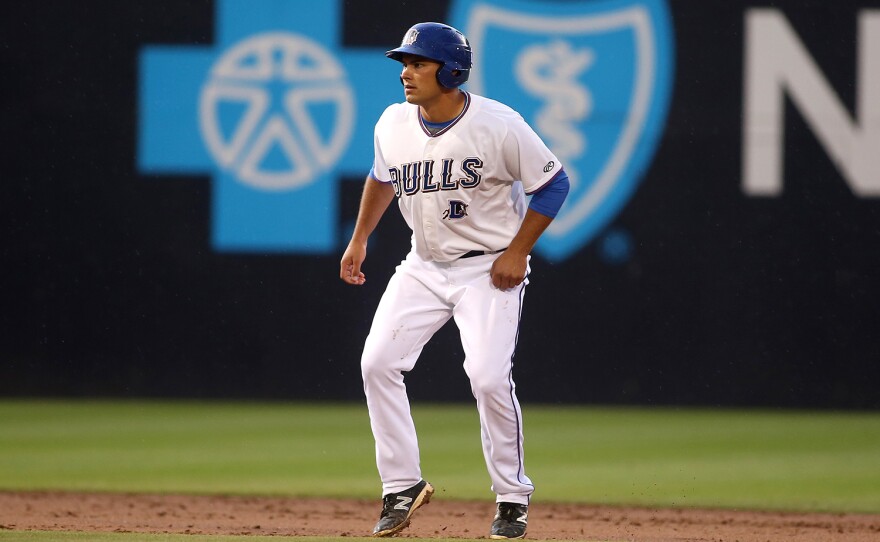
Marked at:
<point>350,265</point>
<point>509,270</point>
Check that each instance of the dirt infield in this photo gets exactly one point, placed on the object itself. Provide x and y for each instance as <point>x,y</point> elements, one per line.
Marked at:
<point>440,519</point>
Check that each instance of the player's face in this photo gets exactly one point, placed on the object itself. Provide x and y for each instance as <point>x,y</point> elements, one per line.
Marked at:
<point>419,77</point>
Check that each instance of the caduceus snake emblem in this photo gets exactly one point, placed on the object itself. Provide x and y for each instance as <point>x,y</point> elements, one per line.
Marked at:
<point>550,71</point>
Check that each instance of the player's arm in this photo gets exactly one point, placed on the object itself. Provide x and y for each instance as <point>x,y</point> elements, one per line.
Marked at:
<point>509,269</point>
<point>374,201</point>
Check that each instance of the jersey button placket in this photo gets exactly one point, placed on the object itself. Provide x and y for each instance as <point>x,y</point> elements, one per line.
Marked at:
<point>429,208</point>
<point>430,231</point>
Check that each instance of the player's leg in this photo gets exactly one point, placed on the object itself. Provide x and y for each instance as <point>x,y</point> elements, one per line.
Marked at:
<point>488,320</point>
<point>408,314</point>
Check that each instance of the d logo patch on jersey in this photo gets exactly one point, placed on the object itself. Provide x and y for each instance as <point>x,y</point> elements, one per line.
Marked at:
<point>593,79</point>
<point>456,209</point>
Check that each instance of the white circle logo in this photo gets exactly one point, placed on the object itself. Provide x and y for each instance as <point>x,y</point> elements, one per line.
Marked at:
<point>276,111</point>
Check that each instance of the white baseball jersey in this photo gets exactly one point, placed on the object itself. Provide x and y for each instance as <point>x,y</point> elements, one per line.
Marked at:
<point>463,188</point>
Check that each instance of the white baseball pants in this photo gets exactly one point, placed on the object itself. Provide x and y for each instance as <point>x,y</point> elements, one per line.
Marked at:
<point>420,298</point>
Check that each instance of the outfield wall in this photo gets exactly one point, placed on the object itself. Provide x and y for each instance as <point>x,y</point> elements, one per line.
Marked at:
<point>164,236</point>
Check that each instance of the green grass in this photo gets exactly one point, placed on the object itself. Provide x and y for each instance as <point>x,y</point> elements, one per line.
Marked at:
<point>187,447</point>
<point>811,461</point>
<point>779,460</point>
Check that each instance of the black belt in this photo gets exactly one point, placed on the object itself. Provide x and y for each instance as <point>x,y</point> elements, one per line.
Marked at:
<point>472,253</point>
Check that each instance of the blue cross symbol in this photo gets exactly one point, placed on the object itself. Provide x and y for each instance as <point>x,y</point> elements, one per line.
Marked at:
<point>275,112</point>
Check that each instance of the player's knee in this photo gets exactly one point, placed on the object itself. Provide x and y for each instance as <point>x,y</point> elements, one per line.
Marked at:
<point>489,383</point>
<point>376,364</point>
<point>372,366</point>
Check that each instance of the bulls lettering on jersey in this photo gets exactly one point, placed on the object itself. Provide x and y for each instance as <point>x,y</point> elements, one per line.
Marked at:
<point>415,177</point>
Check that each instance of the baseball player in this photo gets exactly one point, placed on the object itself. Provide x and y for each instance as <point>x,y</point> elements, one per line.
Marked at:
<point>460,166</point>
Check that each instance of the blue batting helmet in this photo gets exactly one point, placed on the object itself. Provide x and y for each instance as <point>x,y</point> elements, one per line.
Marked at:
<point>440,43</point>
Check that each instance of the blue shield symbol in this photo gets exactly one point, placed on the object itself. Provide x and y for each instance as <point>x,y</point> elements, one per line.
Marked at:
<point>593,79</point>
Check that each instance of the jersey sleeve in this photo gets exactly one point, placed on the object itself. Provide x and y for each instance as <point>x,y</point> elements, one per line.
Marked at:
<point>379,171</point>
<point>527,157</point>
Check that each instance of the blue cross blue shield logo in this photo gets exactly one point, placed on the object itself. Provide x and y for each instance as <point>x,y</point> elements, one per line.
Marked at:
<point>276,112</point>
<point>280,141</point>
<point>593,79</point>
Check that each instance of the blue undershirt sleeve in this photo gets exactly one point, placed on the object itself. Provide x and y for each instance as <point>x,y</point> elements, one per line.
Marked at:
<point>549,198</point>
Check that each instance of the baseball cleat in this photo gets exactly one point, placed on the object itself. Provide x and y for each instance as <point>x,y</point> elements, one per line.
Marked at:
<point>398,508</point>
<point>510,521</point>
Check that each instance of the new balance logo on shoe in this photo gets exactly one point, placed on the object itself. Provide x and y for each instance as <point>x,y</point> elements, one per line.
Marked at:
<point>398,508</point>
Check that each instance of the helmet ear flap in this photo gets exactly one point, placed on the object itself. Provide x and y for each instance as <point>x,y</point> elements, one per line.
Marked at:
<point>450,77</point>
